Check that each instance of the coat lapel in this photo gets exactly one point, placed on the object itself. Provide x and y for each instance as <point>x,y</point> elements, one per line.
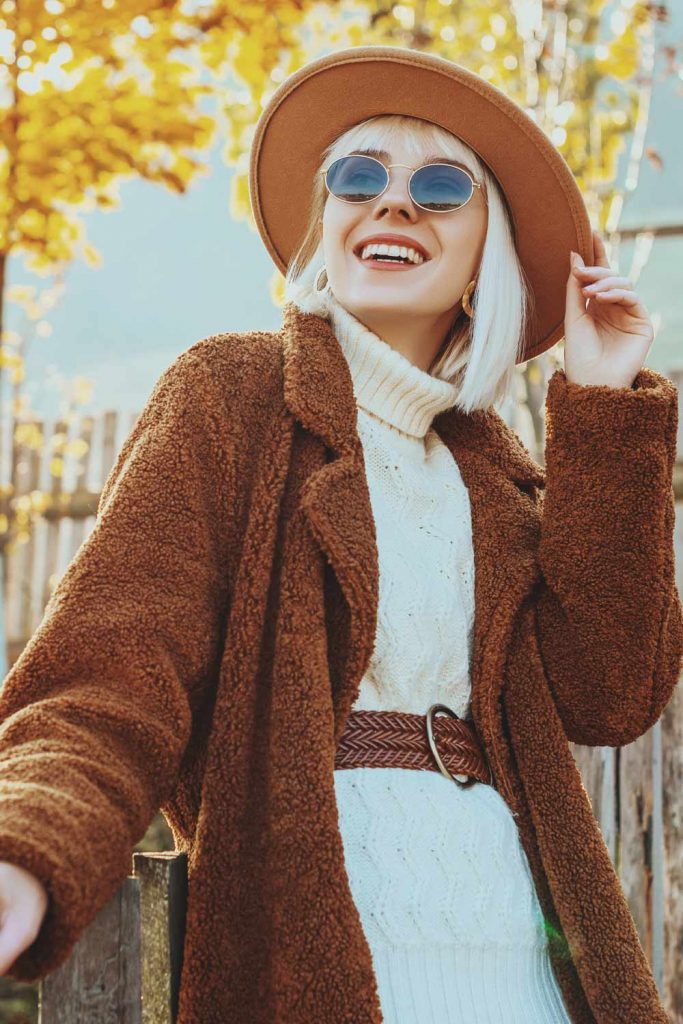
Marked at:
<point>335,499</point>
<point>495,467</point>
<point>499,474</point>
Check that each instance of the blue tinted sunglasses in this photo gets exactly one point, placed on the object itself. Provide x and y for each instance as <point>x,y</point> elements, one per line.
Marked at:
<point>437,187</point>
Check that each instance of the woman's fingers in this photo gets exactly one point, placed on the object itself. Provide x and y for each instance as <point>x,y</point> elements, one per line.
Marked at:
<point>23,904</point>
<point>599,275</point>
<point>599,250</point>
<point>622,295</point>
<point>601,283</point>
<point>605,283</point>
<point>15,937</point>
<point>592,271</point>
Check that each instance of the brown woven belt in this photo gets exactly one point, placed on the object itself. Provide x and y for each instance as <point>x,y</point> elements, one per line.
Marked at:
<point>400,739</point>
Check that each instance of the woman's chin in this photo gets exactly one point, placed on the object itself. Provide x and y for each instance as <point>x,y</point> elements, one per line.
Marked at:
<point>383,294</point>
<point>365,306</point>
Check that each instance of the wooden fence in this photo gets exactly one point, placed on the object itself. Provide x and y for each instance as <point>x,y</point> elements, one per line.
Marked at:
<point>126,965</point>
<point>107,978</point>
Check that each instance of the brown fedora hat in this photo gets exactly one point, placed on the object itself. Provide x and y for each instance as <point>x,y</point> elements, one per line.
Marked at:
<point>328,95</point>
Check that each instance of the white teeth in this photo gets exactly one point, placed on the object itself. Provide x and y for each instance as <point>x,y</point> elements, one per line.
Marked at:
<point>376,248</point>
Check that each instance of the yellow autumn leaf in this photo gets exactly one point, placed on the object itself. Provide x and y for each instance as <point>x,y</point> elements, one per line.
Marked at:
<point>76,447</point>
<point>10,358</point>
<point>82,390</point>
<point>40,501</point>
<point>240,202</point>
<point>277,289</point>
<point>29,435</point>
<point>57,440</point>
<point>92,256</point>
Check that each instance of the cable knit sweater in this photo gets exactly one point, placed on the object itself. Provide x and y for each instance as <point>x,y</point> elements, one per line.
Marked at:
<point>438,874</point>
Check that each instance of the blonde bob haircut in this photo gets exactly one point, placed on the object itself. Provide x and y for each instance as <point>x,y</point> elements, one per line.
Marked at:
<point>479,354</point>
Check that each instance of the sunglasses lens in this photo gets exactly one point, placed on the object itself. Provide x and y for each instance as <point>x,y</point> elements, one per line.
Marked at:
<point>441,187</point>
<point>356,179</point>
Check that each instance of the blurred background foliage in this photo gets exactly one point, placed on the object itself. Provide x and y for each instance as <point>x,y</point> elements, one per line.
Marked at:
<point>93,94</point>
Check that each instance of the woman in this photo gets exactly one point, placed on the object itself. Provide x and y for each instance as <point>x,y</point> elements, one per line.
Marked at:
<point>323,564</point>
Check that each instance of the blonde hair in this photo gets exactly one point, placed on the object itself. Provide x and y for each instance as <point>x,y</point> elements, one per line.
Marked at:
<point>479,355</point>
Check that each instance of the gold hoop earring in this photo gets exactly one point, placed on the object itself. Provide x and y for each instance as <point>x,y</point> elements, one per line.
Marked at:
<point>466,298</point>
<point>316,282</point>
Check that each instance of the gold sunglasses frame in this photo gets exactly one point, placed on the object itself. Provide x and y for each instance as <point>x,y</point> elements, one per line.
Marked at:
<point>361,202</point>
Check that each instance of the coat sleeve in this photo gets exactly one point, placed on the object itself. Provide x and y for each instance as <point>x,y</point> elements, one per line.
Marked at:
<point>96,712</point>
<point>608,612</point>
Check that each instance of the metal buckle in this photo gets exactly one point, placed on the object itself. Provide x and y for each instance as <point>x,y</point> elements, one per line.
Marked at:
<point>461,778</point>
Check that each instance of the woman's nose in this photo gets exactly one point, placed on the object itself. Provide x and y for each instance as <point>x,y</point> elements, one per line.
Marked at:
<point>397,195</point>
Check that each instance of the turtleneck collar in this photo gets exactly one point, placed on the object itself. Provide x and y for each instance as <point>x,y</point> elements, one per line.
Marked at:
<point>385,382</point>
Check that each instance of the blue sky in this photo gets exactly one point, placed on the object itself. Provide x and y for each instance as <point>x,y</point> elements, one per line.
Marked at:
<point>176,268</point>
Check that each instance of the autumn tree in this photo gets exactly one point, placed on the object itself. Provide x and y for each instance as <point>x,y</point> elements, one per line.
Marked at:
<point>91,95</point>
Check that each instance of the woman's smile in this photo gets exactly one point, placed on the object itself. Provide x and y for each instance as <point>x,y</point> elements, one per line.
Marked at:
<point>382,263</point>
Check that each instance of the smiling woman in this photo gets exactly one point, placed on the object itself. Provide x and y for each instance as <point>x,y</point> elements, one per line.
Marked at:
<point>423,310</point>
<point>409,220</point>
<point>278,603</point>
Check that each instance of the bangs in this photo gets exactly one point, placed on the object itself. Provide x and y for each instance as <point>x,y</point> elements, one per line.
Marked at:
<point>422,139</point>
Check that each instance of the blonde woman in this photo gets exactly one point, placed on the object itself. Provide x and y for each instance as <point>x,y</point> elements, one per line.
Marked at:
<point>336,622</point>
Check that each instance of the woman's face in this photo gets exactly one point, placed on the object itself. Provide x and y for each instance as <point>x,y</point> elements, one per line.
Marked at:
<point>384,296</point>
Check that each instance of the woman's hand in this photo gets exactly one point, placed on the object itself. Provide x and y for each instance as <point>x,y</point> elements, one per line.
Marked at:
<point>607,341</point>
<point>23,903</point>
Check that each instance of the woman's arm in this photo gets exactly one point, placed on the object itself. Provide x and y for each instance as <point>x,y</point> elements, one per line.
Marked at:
<point>96,713</point>
<point>608,612</point>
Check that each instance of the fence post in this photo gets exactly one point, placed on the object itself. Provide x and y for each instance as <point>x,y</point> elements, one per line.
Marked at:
<point>672,780</point>
<point>163,904</point>
<point>125,968</point>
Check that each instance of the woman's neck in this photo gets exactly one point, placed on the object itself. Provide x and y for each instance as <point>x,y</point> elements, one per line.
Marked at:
<point>387,383</point>
<point>417,339</point>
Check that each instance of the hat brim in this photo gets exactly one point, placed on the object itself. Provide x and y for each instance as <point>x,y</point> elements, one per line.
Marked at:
<point>327,96</point>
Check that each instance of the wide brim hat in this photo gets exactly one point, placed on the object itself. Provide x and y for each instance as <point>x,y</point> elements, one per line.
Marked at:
<point>325,97</point>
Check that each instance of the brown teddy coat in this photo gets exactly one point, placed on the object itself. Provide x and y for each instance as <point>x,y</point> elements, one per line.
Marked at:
<point>206,643</point>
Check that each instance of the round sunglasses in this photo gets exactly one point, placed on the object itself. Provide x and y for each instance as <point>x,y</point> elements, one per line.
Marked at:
<point>437,187</point>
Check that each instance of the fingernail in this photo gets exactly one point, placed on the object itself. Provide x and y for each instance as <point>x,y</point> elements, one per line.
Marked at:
<point>576,260</point>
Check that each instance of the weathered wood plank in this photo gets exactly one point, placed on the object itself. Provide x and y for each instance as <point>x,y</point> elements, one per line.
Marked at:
<point>52,568</point>
<point>658,880</point>
<point>100,982</point>
<point>163,903</point>
<point>125,968</point>
<point>82,470</point>
<point>635,834</point>
<point>598,772</point>
<point>672,814</point>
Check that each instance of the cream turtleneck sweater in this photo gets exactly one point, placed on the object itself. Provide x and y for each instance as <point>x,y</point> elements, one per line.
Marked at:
<point>422,515</point>
<point>438,874</point>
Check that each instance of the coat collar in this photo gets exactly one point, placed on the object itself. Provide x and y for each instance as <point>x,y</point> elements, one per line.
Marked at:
<point>319,392</point>
<point>496,469</point>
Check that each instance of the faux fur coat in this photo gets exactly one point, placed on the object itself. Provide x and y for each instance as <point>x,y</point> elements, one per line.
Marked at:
<point>205,645</point>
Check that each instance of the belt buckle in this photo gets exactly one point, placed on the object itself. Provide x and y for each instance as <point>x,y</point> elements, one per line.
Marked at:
<point>464,780</point>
